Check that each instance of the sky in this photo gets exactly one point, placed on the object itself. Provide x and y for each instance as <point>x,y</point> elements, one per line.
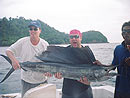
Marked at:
<point>106,16</point>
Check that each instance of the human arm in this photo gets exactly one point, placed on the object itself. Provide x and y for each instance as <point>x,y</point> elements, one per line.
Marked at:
<point>58,75</point>
<point>14,51</point>
<point>83,80</point>
<point>97,62</point>
<point>15,62</point>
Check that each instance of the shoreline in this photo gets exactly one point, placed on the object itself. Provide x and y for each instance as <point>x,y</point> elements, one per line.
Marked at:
<point>82,43</point>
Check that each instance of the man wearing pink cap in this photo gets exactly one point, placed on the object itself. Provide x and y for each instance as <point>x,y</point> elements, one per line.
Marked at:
<point>75,38</point>
<point>73,88</point>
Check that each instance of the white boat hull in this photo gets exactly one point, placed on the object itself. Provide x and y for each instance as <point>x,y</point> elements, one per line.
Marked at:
<point>50,91</point>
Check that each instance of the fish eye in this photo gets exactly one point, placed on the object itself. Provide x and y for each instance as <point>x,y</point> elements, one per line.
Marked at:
<point>106,69</point>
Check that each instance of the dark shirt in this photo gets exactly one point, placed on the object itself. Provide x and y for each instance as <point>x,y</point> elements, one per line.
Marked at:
<point>123,80</point>
<point>73,87</point>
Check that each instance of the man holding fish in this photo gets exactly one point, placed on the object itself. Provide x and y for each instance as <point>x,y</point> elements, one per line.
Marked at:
<point>122,58</point>
<point>75,88</point>
<point>27,48</point>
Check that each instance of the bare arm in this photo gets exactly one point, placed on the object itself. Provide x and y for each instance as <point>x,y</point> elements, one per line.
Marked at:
<point>15,62</point>
<point>97,62</point>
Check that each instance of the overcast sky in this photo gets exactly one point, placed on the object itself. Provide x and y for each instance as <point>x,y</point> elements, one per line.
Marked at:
<point>106,16</point>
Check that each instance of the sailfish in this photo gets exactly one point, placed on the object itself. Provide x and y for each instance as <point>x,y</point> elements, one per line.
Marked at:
<point>72,63</point>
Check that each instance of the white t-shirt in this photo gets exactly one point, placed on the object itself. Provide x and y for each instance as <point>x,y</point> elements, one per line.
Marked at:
<point>24,49</point>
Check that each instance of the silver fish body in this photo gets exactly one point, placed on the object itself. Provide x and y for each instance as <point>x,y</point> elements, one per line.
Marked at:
<point>92,72</point>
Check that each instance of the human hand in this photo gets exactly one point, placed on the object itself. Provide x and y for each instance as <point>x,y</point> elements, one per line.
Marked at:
<point>127,61</point>
<point>15,64</point>
<point>48,74</point>
<point>128,47</point>
<point>58,75</point>
<point>97,62</point>
<point>84,80</point>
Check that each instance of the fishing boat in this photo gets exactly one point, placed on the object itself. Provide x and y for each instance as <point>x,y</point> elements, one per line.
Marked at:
<point>50,91</point>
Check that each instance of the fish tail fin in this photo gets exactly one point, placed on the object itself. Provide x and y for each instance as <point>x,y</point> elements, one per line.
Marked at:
<point>7,58</point>
<point>7,75</point>
<point>11,70</point>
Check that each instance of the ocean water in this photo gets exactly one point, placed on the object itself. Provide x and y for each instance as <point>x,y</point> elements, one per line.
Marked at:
<point>102,51</point>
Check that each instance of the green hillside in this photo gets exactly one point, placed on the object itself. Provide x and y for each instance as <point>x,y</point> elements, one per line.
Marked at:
<point>93,37</point>
<point>14,28</point>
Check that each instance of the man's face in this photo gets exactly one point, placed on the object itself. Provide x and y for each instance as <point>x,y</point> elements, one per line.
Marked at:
<point>126,34</point>
<point>34,31</point>
<point>75,40</point>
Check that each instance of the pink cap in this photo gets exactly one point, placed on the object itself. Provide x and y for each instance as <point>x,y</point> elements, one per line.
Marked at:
<point>76,32</point>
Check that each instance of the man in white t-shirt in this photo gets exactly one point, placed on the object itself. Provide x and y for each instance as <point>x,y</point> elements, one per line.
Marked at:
<point>27,48</point>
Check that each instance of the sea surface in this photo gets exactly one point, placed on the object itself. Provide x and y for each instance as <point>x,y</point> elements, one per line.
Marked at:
<point>102,51</point>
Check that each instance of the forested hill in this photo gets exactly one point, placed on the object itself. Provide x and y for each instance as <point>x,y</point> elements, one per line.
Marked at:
<point>14,28</point>
<point>94,37</point>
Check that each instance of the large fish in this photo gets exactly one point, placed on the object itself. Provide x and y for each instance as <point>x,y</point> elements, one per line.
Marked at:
<point>73,63</point>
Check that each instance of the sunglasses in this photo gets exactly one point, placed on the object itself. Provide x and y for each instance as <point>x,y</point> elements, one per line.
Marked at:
<point>126,31</point>
<point>74,36</point>
<point>35,29</point>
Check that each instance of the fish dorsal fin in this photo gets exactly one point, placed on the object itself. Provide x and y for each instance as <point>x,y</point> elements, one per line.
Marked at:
<point>7,58</point>
<point>68,55</point>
